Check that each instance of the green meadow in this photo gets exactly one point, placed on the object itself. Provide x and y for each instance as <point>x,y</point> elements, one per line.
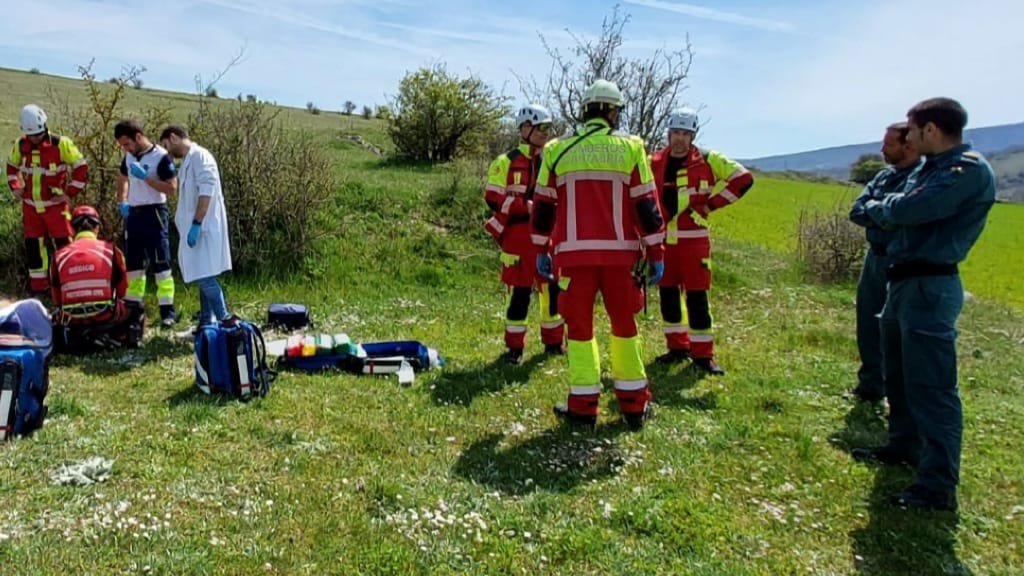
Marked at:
<point>466,471</point>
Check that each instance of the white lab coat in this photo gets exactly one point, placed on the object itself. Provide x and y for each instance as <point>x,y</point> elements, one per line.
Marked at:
<point>199,176</point>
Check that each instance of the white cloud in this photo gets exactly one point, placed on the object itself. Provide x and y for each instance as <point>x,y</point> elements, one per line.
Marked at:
<point>874,68</point>
<point>715,15</point>
<point>296,18</point>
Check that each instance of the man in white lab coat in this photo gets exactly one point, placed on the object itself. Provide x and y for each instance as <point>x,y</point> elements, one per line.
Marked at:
<point>204,251</point>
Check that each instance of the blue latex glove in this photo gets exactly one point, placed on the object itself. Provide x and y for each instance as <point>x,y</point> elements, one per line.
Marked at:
<point>655,272</point>
<point>124,208</point>
<point>193,235</point>
<point>544,266</point>
<point>137,170</point>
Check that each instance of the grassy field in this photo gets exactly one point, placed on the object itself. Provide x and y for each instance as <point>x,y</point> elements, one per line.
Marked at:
<point>769,215</point>
<point>466,471</point>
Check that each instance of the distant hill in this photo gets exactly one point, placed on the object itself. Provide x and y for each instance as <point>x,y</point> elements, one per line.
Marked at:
<point>1002,144</point>
<point>990,140</point>
<point>1009,169</point>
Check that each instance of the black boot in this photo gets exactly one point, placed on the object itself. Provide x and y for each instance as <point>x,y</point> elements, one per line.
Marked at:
<point>563,414</point>
<point>513,356</point>
<point>865,394</point>
<point>168,316</point>
<point>554,349</point>
<point>709,365</point>
<point>923,498</point>
<point>636,420</point>
<point>883,455</point>
<point>673,356</point>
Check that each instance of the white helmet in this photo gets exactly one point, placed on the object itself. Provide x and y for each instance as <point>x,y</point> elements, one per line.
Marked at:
<point>33,120</point>
<point>683,119</point>
<point>603,92</point>
<point>534,114</point>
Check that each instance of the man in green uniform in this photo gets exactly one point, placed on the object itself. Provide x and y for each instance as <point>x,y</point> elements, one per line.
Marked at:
<point>936,222</point>
<point>902,160</point>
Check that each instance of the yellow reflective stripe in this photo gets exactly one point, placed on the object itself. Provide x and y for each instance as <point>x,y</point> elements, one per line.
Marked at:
<point>563,283</point>
<point>509,259</point>
<point>584,364</point>
<point>671,231</point>
<point>548,320</point>
<point>37,186</point>
<point>627,359</point>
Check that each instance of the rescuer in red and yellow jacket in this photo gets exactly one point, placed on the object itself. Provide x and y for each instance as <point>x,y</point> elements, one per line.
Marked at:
<point>43,171</point>
<point>88,282</point>
<point>686,177</point>
<point>595,203</point>
<point>511,180</point>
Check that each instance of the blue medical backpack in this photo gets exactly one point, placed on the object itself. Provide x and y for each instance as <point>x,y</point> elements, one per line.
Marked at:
<point>231,359</point>
<point>24,382</point>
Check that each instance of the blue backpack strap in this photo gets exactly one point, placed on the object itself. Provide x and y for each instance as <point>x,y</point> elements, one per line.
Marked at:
<point>263,375</point>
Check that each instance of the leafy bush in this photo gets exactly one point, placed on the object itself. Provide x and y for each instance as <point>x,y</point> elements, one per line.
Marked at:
<point>91,126</point>
<point>367,112</point>
<point>438,116</point>
<point>312,108</point>
<point>348,107</point>
<point>865,168</point>
<point>829,246</point>
<point>276,184</point>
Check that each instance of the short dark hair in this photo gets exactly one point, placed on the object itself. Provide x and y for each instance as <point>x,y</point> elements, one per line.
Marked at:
<point>597,110</point>
<point>902,127</point>
<point>128,127</point>
<point>947,115</point>
<point>175,129</point>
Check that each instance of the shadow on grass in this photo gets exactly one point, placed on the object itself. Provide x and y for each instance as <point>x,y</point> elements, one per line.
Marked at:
<point>865,427</point>
<point>557,460</point>
<point>115,361</point>
<point>896,541</point>
<point>670,385</point>
<point>460,387</point>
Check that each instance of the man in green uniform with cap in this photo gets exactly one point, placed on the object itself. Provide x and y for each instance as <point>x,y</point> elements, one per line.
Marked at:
<point>936,222</point>
<point>902,160</point>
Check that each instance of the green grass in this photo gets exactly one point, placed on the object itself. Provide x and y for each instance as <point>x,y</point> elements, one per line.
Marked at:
<point>467,472</point>
<point>769,215</point>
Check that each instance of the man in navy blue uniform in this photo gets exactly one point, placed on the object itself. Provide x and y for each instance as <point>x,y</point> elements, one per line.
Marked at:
<point>902,160</point>
<point>935,224</point>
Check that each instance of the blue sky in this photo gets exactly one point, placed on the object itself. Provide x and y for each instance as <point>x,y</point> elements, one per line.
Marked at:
<point>772,77</point>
